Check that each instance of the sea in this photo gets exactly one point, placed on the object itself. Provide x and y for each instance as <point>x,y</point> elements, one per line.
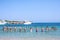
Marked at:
<point>33,33</point>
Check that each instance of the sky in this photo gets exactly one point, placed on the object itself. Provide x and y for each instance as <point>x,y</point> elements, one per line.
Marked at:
<point>32,10</point>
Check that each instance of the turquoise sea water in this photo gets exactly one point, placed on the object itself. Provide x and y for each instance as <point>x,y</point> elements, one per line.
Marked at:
<point>33,33</point>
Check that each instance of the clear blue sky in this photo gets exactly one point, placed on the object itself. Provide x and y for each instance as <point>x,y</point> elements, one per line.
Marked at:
<point>33,10</point>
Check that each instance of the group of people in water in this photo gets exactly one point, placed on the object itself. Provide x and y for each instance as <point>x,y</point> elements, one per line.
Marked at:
<point>5,29</point>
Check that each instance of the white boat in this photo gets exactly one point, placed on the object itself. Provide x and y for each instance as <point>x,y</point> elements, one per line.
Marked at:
<point>27,22</point>
<point>2,22</point>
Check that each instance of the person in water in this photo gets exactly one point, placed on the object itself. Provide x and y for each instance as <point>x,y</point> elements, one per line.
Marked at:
<point>20,29</point>
<point>47,29</point>
<point>15,29</point>
<point>53,28</point>
<point>30,29</point>
<point>24,29</point>
<point>10,29</point>
<point>36,29</point>
<point>5,28</point>
<point>42,29</point>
